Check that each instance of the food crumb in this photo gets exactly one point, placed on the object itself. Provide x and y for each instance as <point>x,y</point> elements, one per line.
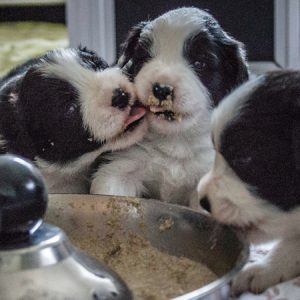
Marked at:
<point>149,273</point>
<point>166,224</point>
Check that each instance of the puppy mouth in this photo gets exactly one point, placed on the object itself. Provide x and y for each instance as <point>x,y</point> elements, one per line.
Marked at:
<point>164,109</point>
<point>136,115</point>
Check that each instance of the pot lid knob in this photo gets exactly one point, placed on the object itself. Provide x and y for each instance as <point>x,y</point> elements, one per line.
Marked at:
<point>23,199</point>
<point>44,248</point>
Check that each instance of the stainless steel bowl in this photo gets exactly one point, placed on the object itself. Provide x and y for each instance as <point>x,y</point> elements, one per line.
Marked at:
<point>191,235</point>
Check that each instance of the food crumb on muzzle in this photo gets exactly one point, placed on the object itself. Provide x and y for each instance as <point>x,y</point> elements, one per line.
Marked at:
<point>164,108</point>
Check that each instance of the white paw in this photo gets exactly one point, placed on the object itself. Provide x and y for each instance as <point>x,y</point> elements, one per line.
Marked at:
<point>281,264</point>
<point>256,278</point>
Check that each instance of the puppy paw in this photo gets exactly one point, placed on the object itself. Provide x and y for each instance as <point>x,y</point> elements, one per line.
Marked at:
<point>255,279</point>
<point>282,264</point>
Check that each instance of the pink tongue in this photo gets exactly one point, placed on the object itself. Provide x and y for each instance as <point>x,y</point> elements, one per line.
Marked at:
<point>136,113</point>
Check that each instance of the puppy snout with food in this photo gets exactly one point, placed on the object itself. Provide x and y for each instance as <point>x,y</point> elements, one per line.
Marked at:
<point>181,63</point>
<point>254,184</point>
<point>63,110</point>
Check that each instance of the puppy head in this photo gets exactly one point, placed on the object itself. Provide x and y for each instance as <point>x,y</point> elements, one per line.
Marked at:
<point>182,64</point>
<point>255,180</point>
<point>72,103</point>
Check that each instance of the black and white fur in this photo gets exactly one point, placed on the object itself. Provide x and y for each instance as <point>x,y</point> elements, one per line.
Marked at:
<point>255,181</point>
<point>188,50</point>
<point>61,111</point>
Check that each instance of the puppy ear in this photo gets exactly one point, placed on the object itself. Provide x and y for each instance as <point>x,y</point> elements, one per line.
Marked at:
<point>32,92</point>
<point>29,94</point>
<point>234,63</point>
<point>14,120</point>
<point>91,59</point>
<point>51,114</point>
<point>44,98</point>
<point>128,47</point>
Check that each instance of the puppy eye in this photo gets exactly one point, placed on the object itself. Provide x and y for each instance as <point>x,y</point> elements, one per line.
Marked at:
<point>200,65</point>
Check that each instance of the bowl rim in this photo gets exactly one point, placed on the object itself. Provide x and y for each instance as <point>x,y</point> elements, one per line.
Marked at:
<point>214,285</point>
<point>223,280</point>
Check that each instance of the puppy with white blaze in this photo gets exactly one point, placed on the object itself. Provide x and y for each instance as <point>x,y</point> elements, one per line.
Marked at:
<point>254,184</point>
<point>182,64</point>
<point>63,110</point>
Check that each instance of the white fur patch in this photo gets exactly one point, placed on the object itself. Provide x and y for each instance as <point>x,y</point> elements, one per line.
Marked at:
<point>281,264</point>
<point>72,177</point>
<point>233,204</point>
<point>95,93</point>
<point>168,34</point>
<point>168,163</point>
<point>104,122</point>
<point>170,30</point>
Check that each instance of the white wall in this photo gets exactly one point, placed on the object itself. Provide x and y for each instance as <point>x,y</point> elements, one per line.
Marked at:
<point>91,23</point>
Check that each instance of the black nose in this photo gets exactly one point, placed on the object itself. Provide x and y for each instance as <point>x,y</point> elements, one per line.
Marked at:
<point>204,202</point>
<point>120,98</point>
<point>161,91</point>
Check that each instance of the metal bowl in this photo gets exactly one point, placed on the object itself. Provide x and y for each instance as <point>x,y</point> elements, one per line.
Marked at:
<point>192,235</point>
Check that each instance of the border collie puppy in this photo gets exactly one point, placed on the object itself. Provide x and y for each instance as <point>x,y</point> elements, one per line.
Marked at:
<point>64,109</point>
<point>254,184</point>
<point>182,64</point>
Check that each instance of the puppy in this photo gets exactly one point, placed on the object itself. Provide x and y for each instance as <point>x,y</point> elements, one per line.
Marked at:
<point>254,184</point>
<point>63,110</point>
<point>182,64</point>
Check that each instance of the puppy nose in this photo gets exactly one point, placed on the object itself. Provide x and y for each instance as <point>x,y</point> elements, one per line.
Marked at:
<point>204,202</point>
<point>162,91</point>
<point>120,98</point>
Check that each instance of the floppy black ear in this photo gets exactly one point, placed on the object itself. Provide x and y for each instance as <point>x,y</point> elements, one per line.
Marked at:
<point>128,47</point>
<point>17,138</point>
<point>234,62</point>
<point>51,113</point>
<point>35,98</point>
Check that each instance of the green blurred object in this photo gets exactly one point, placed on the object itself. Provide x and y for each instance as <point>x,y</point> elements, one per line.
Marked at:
<point>20,41</point>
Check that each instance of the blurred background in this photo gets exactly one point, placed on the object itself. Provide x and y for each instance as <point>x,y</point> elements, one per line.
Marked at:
<point>269,28</point>
<point>30,28</point>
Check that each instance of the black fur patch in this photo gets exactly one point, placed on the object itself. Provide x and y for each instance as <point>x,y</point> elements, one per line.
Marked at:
<point>40,116</point>
<point>262,145</point>
<point>50,113</point>
<point>296,142</point>
<point>89,59</point>
<point>134,51</point>
<point>216,59</point>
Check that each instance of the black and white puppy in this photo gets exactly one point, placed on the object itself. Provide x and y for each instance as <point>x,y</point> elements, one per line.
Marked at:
<point>254,184</point>
<point>182,64</point>
<point>64,109</point>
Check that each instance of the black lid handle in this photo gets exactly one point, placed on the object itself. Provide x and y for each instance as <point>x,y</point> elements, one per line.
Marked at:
<point>23,199</point>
